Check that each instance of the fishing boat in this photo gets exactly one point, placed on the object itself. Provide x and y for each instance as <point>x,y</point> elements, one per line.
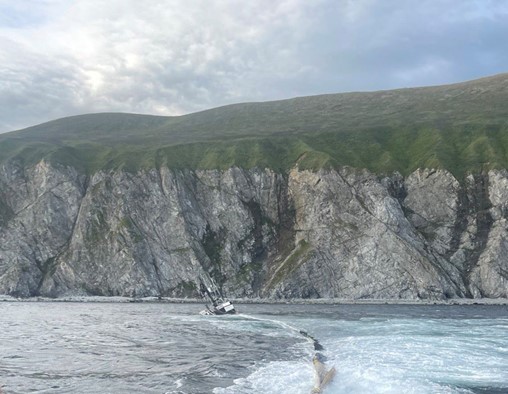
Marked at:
<point>219,305</point>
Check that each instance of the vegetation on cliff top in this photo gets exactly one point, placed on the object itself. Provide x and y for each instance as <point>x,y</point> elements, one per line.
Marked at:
<point>461,127</point>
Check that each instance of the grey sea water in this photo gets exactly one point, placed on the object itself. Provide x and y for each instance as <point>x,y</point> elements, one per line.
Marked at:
<point>169,348</point>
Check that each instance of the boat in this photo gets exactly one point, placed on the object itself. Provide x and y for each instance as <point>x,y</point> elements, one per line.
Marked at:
<point>219,305</point>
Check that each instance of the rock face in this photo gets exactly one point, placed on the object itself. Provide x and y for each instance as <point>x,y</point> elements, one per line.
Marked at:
<point>345,233</point>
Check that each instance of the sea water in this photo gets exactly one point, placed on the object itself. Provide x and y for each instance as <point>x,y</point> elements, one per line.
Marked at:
<point>169,348</point>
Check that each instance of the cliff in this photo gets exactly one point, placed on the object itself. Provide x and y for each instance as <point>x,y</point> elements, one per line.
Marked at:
<point>394,194</point>
<point>337,232</point>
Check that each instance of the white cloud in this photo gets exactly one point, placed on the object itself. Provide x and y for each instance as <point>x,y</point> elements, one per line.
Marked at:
<point>61,57</point>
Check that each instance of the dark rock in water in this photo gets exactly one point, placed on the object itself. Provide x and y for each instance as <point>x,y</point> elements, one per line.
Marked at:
<point>317,345</point>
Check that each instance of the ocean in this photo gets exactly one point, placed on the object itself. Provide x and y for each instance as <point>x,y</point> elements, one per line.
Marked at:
<point>73,347</point>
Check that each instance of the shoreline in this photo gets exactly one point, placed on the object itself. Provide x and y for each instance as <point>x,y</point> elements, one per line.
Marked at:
<point>319,301</point>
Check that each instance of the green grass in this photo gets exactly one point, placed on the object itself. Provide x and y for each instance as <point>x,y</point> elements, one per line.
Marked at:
<point>461,127</point>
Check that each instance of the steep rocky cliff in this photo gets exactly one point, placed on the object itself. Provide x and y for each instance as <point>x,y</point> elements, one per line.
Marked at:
<point>343,233</point>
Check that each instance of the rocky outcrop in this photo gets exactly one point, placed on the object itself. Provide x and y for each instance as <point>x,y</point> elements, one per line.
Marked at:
<point>343,233</point>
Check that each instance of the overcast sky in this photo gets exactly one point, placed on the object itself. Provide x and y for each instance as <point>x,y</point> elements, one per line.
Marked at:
<point>170,57</point>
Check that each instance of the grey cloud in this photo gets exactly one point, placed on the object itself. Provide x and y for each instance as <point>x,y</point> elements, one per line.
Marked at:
<point>173,57</point>
<point>394,44</point>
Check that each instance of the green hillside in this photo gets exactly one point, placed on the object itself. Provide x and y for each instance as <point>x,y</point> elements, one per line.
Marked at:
<point>461,127</point>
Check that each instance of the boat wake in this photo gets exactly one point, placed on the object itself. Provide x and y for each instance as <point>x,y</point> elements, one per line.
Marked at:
<point>322,375</point>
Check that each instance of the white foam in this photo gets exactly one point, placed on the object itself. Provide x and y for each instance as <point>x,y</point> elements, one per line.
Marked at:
<point>418,356</point>
<point>390,356</point>
<point>288,377</point>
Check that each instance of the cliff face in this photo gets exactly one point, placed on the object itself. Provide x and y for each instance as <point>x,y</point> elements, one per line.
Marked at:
<point>345,233</point>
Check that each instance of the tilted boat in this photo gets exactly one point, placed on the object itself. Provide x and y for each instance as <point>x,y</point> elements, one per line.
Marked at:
<point>219,305</point>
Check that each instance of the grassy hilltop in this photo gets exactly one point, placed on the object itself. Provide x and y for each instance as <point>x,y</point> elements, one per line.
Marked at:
<point>461,127</point>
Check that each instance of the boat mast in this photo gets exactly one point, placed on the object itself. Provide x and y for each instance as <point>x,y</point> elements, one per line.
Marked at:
<point>210,290</point>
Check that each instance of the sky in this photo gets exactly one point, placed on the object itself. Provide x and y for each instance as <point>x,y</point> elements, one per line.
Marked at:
<point>171,57</point>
